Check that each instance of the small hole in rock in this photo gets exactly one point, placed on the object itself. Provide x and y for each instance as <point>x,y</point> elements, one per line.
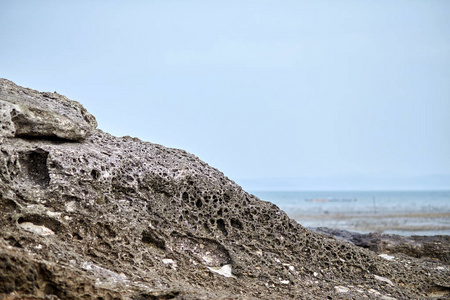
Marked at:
<point>95,174</point>
<point>51,289</point>
<point>34,164</point>
<point>221,226</point>
<point>150,238</point>
<point>199,203</point>
<point>39,220</point>
<point>185,197</point>
<point>236,223</point>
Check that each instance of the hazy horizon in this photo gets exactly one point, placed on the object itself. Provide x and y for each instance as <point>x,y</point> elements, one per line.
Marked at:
<point>347,183</point>
<point>357,91</point>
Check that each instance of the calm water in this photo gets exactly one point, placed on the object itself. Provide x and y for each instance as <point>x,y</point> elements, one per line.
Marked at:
<point>400,212</point>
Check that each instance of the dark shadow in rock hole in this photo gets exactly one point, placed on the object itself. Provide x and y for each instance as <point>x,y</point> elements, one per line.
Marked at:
<point>152,239</point>
<point>50,138</point>
<point>39,220</point>
<point>34,166</point>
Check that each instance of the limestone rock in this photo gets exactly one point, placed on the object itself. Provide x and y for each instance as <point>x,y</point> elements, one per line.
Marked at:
<point>28,113</point>
<point>118,218</point>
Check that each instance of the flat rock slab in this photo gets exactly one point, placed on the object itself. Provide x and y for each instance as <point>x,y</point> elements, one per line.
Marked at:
<point>29,113</point>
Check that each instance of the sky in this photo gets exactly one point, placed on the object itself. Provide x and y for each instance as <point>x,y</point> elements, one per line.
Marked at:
<point>258,89</point>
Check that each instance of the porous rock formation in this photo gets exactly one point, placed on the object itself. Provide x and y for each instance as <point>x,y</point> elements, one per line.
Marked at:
<point>86,215</point>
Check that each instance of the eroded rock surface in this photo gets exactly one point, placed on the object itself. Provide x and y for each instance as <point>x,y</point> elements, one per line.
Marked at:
<point>30,114</point>
<point>92,216</point>
<point>433,247</point>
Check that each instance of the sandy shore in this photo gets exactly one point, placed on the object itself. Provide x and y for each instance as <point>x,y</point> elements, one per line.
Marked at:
<point>426,223</point>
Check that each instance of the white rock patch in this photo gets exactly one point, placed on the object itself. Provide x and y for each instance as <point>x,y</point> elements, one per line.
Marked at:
<point>341,289</point>
<point>168,261</point>
<point>36,229</point>
<point>225,270</point>
<point>387,257</point>
<point>383,279</point>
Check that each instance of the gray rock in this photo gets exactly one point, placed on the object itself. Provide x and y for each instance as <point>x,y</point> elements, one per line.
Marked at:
<point>433,247</point>
<point>30,114</point>
<point>118,218</point>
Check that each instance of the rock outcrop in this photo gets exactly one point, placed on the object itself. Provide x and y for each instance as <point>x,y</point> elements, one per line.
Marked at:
<point>29,114</point>
<point>86,215</point>
<point>432,247</point>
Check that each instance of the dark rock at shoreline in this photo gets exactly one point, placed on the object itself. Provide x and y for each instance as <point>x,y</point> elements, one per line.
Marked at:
<point>435,247</point>
<point>86,215</point>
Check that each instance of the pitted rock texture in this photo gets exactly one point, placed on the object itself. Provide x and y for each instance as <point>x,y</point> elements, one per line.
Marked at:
<point>117,218</point>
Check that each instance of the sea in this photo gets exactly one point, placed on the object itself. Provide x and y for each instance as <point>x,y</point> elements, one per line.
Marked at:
<point>395,212</point>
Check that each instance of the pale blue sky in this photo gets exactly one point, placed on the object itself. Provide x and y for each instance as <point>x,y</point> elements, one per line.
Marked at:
<point>257,89</point>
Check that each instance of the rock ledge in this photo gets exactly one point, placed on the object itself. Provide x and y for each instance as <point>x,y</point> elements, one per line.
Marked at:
<point>29,114</point>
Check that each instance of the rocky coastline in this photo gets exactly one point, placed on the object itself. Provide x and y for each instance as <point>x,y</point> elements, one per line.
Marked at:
<point>86,215</point>
<point>426,247</point>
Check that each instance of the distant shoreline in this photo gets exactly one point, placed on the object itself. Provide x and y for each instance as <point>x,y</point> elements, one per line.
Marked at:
<point>415,223</point>
<point>397,212</point>
<point>379,215</point>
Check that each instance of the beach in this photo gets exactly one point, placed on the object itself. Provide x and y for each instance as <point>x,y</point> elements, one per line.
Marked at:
<point>392,223</point>
<point>394,212</point>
